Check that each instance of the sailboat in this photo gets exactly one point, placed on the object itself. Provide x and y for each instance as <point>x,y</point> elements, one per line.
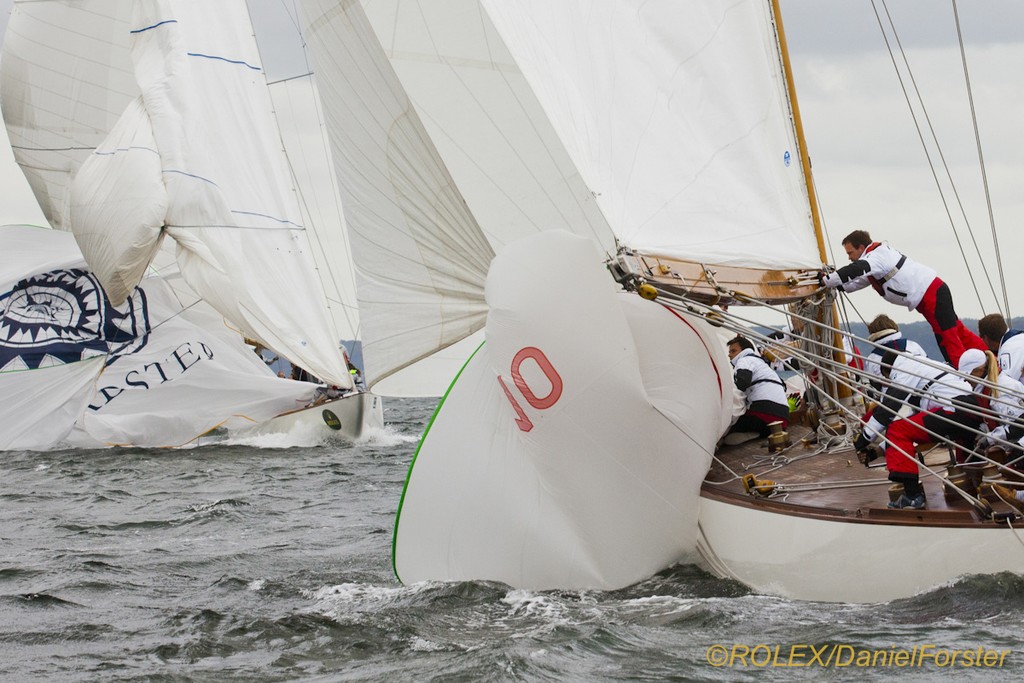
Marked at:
<point>157,122</point>
<point>576,448</point>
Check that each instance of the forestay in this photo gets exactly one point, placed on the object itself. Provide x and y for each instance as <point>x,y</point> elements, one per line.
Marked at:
<point>570,451</point>
<point>677,116</point>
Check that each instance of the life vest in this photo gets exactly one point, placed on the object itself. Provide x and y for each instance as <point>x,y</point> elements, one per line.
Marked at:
<point>879,283</point>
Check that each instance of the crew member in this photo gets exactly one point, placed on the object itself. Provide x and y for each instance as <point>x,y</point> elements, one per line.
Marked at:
<point>905,282</point>
<point>764,393</point>
<point>884,332</point>
<point>946,409</point>
<point>1005,343</point>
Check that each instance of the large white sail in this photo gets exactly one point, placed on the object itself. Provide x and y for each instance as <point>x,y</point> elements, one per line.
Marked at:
<point>46,386</point>
<point>420,255</point>
<point>570,451</point>
<point>151,372</point>
<point>485,119</point>
<point>230,203</point>
<point>67,77</point>
<point>288,69</point>
<point>677,116</point>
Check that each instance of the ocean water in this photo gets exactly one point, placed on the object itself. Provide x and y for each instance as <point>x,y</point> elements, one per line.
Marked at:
<point>270,561</point>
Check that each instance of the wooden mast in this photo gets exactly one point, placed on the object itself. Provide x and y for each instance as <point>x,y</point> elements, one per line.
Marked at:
<point>805,159</point>
<point>805,162</point>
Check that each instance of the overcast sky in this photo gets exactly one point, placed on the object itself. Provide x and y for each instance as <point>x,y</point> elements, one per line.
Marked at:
<point>869,164</point>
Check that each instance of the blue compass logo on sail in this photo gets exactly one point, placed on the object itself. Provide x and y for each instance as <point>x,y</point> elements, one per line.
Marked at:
<point>63,316</point>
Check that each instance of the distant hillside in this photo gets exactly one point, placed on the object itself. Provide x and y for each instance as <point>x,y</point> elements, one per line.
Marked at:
<point>923,335</point>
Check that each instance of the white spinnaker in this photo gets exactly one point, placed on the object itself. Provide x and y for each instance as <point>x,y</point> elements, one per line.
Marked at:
<point>677,116</point>
<point>421,258</point>
<point>193,375</point>
<point>587,472</point>
<point>43,404</point>
<point>119,204</point>
<point>487,124</point>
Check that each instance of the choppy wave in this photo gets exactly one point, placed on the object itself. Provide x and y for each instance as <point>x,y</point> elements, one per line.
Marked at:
<point>270,563</point>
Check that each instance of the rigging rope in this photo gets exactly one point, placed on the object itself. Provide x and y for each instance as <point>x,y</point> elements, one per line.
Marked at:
<point>938,147</point>
<point>734,323</point>
<point>981,163</point>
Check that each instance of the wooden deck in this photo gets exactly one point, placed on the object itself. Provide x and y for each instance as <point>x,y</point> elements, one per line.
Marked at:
<point>833,484</point>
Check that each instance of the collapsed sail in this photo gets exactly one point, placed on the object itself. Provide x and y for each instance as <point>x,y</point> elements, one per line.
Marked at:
<point>593,419</point>
<point>50,354</point>
<point>421,258</point>
<point>87,373</point>
<point>190,376</point>
<point>677,117</point>
<point>182,86</point>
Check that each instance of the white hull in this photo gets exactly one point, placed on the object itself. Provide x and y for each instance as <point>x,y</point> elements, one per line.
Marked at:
<point>807,558</point>
<point>352,415</point>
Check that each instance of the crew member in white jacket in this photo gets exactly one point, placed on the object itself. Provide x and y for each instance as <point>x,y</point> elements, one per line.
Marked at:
<point>764,391</point>
<point>1006,401</point>
<point>905,282</point>
<point>1005,343</point>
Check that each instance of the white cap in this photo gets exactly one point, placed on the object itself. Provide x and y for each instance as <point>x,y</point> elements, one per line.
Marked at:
<point>971,360</point>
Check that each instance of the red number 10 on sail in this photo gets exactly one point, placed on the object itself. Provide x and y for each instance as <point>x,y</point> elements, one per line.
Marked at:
<point>540,403</point>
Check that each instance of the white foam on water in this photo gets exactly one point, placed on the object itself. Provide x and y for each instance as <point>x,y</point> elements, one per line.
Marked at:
<point>359,597</point>
<point>418,644</point>
<point>300,435</point>
<point>386,437</point>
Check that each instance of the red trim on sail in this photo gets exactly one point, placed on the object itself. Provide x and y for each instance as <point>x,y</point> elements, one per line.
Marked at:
<point>710,357</point>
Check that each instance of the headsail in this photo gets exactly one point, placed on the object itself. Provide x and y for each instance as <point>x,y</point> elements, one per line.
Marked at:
<point>594,416</point>
<point>420,254</point>
<point>486,121</point>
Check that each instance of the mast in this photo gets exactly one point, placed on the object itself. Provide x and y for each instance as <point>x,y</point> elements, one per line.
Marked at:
<point>805,162</point>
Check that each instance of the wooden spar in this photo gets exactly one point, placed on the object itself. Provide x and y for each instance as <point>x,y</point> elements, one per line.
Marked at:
<point>805,159</point>
<point>805,162</point>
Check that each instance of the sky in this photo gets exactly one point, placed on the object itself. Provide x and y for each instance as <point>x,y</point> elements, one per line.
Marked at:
<point>870,168</point>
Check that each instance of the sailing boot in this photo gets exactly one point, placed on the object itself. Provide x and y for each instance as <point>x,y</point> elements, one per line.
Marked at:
<point>913,492</point>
